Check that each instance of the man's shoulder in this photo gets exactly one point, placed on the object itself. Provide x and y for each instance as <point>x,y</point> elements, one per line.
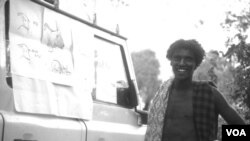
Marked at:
<point>205,83</point>
<point>166,83</point>
<point>205,88</point>
<point>163,88</point>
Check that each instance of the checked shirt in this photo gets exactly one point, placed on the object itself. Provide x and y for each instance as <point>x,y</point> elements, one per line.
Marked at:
<point>204,113</point>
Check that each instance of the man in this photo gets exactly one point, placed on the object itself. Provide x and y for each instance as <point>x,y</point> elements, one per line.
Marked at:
<point>183,109</point>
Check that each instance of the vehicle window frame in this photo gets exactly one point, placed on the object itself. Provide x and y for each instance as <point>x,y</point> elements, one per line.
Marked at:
<point>126,70</point>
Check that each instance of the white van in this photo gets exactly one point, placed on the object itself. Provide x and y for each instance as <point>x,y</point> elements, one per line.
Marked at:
<point>63,78</point>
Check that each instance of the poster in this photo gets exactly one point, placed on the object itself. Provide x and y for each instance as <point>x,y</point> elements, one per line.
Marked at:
<point>28,57</point>
<point>42,40</point>
<point>26,19</point>
<point>83,56</point>
<point>46,77</point>
<point>57,37</point>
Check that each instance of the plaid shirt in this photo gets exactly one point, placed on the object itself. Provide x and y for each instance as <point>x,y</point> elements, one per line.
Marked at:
<point>205,116</point>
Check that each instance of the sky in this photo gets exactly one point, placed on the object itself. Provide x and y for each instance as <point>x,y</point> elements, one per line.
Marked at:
<point>155,24</point>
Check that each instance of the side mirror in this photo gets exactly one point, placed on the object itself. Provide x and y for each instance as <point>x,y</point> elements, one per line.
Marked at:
<point>133,97</point>
<point>143,118</point>
<point>127,95</point>
<point>9,81</point>
<point>123,97</point>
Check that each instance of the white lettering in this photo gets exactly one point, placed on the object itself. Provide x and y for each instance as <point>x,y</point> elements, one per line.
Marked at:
<point>229,131</point>
<point>242,132</point>
<point>236,132</point>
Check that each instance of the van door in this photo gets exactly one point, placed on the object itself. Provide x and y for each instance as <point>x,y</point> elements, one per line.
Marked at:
<point>113,116</point>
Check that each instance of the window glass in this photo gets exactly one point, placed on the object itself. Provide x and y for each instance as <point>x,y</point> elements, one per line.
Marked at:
<point>110,77</point>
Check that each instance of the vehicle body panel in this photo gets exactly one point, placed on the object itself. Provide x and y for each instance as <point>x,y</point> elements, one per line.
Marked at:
<point>42,128</point>
<point>114,123</point>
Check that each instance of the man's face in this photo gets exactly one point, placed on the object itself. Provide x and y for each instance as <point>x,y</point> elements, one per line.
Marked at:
<point>183,64</point>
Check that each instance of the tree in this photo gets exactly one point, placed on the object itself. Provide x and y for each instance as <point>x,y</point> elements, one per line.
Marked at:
<point>239,50</point>
<point>218,69</point>
<point>221,71</point>
<point>147,70</point>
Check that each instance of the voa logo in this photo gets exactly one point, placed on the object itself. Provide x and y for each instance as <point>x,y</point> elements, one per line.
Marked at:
<point>236,132</point>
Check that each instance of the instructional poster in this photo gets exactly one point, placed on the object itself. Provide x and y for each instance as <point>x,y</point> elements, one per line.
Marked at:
<point>41,40</point>
<point>57,36</point>
<point>51,60</point>
<point>26,20</point>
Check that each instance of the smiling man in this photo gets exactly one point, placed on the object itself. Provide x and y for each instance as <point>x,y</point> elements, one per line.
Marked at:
<point>183,109</point>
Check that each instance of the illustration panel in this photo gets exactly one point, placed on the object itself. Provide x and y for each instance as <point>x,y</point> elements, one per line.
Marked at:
<point>57,37</point>
<point>27,57</point>
<point>26,19</point>
<point>41,43</point>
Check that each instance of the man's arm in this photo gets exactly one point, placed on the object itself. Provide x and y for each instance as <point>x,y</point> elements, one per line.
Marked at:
<point>225,110</point>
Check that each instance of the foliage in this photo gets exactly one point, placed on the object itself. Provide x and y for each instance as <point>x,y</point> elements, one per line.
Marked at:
<point>224,74</point>
<point>218,70</point>
<point>221,71</point>
<point>238,52</point>
<point>147,70</point>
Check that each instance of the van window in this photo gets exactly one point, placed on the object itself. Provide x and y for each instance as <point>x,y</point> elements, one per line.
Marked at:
<point>110,76</point>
